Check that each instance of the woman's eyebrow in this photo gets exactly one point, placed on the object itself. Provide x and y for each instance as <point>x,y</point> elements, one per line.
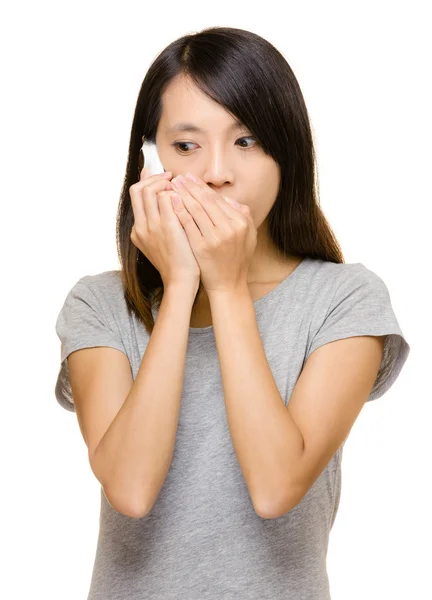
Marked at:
<point>196,129</point>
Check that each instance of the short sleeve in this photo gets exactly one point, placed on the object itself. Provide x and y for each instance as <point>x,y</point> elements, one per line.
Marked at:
<point>81,323</point>
<point>361,305</point>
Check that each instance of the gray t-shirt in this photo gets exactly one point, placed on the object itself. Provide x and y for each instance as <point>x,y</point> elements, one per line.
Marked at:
<point>203,539</point>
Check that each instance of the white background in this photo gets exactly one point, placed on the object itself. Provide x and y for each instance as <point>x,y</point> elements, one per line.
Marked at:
<point>71,73</point>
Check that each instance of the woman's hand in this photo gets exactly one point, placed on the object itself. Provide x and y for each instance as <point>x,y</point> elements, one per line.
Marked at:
<point>157,232</point>
<point>221,233</point>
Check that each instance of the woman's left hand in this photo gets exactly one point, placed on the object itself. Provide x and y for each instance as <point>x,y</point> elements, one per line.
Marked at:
<point>222,235</point>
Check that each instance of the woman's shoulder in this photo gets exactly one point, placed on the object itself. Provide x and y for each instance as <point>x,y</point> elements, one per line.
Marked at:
<point>324,273</point>
<point>103,279</point>
<point>99,289</point>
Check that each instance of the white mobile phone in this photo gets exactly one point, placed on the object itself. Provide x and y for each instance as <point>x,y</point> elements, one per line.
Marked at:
<point>151,158</point>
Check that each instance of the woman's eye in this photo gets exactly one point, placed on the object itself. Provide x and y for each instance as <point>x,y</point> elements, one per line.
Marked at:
<point>182,151</point>
<point>178,144</point>
<point>246,138</point>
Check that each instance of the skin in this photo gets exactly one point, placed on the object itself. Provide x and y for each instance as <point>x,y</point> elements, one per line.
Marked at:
<point>233,164</point>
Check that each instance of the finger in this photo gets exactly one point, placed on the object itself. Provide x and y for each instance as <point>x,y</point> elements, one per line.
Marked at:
<point>145,175</point>
<point>246,212</point>
<point>200,213</point>
<point>165,205</point>
<point>214,205</point>
<point>232,202</point>
<point>136,189</point>
<point>233,209</point>
<point>144,201</point>
<point>189,224</point>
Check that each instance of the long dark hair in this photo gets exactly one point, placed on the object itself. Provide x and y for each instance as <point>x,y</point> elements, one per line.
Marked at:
<point>249,77</point>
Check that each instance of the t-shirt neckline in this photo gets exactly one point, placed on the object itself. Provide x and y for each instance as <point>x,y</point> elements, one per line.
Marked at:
<point>260,302</point>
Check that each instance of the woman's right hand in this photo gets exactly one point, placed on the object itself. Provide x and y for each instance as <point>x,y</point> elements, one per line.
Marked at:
<point>158,233</point>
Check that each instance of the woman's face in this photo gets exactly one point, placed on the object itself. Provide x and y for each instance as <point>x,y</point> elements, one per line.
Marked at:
<point>222,154</point>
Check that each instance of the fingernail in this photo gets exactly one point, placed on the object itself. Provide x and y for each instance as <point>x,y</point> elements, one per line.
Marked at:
<point>177,184</point>
<point>191,177</point>
<point>175,199</point>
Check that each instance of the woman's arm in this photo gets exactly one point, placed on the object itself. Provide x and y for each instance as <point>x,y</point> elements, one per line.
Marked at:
<point>134,456</point>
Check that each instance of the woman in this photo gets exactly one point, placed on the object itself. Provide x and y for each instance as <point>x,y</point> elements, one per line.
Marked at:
<point>217,374</point>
